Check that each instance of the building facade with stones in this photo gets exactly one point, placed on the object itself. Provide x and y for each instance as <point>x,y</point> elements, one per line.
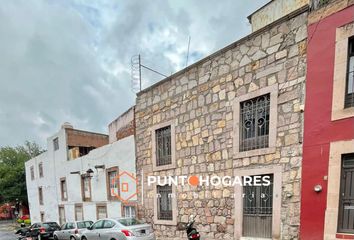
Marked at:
<point>327,192</point>
<point>237,112</point>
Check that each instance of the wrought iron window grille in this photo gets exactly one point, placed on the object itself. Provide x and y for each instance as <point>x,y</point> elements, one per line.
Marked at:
<point>163,146</point>
<point>164,206</point>
<point>254,123</point>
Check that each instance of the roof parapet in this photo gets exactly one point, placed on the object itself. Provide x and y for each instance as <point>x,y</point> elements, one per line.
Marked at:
<point>273,11</point>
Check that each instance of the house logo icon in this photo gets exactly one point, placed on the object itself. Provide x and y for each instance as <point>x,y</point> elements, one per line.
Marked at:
<point>127,183</point>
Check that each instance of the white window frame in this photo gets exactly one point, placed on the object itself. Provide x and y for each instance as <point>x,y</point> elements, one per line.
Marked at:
<point>130,207</point>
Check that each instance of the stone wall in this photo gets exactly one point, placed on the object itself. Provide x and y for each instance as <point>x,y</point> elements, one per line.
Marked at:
<point>123,126</point>
<point>199,100</point>
<point>126,131</point>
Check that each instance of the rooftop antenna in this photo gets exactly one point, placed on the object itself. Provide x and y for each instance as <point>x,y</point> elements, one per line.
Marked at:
<point>136,66</point>
<point>189,43</point>
<point>136,73</point>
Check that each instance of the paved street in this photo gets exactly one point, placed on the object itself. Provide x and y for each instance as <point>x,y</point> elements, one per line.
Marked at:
<point>6,231</point>
<point>5,235</point>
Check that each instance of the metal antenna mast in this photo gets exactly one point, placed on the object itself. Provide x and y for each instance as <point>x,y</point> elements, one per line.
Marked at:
<point>136,73</point>
<point>189,43</point>
<point>136,66</point>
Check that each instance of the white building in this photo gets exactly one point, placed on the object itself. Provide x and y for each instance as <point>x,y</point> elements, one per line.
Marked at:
<point>84,175</point>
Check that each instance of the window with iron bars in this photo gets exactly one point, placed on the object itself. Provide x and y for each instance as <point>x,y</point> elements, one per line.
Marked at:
<point>163,146</point>
<point>164,202</point>
<point>254,123</point>
<point>349,93</point>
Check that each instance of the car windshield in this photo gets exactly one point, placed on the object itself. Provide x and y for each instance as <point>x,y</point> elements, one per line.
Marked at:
<point>50,224</point>
<point>129,221</point>
<point>85,224</point>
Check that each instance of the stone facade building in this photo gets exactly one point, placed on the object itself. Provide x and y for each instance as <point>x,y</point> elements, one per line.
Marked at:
<point>237,112</point>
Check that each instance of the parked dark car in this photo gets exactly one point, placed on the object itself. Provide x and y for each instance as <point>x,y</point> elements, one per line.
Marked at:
<point>22,232</point>
<point>45,230</point>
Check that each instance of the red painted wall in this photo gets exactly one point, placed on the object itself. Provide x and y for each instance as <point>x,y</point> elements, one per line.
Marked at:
<point>319,130</point>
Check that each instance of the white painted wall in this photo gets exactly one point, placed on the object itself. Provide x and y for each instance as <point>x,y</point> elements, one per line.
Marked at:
<point>120,122</point>
<point>273,11</point>
<point>55,166</point>
<point>48,185</point>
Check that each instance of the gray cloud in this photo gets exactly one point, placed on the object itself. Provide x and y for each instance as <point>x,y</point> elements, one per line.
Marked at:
<point>70,60</point>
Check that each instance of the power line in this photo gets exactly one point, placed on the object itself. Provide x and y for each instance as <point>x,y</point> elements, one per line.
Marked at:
<point>152,70</point>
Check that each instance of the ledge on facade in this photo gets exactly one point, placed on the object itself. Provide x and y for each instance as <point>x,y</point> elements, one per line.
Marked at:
<point>273,11</point>
<point>317,4</point>
<point>344,236</point>
<point>320,9</point>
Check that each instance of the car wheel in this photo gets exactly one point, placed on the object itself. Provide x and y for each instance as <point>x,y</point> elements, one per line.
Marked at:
<point>83,238</point>
<point>72,238</point>
<point>55,237</point>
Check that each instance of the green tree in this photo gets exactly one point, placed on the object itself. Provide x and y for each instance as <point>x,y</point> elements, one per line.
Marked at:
<point>12,171</point>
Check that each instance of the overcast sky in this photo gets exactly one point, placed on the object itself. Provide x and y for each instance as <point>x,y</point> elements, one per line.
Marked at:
<point>69,60</point>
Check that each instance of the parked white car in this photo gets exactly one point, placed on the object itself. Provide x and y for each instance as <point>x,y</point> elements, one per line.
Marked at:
<point>72,230</point>
<point>119,229</point>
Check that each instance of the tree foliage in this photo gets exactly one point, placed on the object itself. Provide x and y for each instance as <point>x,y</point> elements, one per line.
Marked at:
<point>12,171</point>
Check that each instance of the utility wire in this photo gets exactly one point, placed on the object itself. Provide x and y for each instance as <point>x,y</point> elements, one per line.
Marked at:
<point>153,70</point>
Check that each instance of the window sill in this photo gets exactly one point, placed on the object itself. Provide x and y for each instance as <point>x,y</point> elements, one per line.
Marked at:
<point>163,167</point>
<point>165,222</point>
<point>254,238</point>
<point>342,113</point>
<point>255,152</point>
<point>113,199</point>
<point>344,236</point>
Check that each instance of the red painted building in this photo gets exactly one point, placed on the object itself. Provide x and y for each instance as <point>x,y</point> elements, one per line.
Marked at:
<point>327,198</point>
